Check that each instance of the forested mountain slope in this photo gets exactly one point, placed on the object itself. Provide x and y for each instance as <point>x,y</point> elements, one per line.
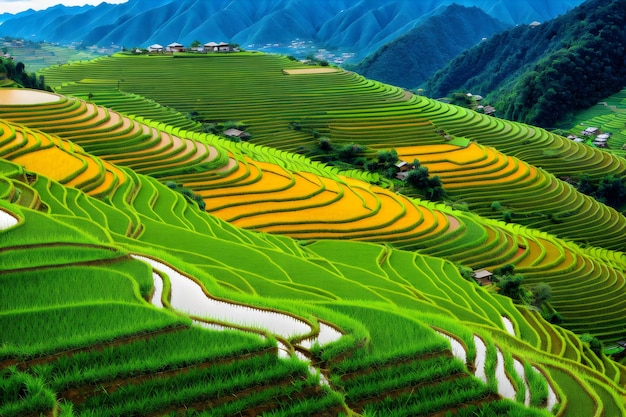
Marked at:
<point>412,58</point>
<point>538,74</point>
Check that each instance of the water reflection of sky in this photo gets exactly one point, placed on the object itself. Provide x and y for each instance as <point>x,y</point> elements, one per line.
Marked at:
<point>188,297</point>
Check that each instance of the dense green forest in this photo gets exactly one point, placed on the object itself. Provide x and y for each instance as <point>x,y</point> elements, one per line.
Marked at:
<point>540,74</point>
<point>409,60</point>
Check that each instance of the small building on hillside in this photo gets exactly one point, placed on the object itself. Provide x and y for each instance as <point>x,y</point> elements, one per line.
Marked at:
<point>590,131</point>
<point>175,47</point>
<point>403,166</point>
<point>534,24</point>
<point>210,47</point>
<point>483,277</point>
<point>223,47</point>
<point>155,48</point>
<point>217,47</point>
<point>402,176</point>
<point>236,133</point>
<point>489,110</point>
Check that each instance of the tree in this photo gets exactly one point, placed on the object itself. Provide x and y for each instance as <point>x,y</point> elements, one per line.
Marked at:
<point>541,293</point>
<point>594,344</point>
<point>387,158</point>
<point>509,283</point>
<point>418,178</point>
<point>511,286</point>
<point>325,145</point>
<point>195,43</point>
<point>461,99</point>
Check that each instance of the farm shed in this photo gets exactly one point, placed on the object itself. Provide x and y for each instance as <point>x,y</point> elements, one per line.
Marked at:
<point>483,276</point>
<point>237,133</point>
<point>402,166</point>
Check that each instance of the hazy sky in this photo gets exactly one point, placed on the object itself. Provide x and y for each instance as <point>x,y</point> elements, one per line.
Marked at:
<point>15,6</point>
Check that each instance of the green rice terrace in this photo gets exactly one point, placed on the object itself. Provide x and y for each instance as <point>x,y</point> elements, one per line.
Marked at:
<point>149,268</point>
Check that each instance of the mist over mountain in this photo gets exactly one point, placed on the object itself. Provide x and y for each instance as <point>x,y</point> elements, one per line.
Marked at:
<point>410,59</point>
<point>359,25</point>
<point>539,74</point>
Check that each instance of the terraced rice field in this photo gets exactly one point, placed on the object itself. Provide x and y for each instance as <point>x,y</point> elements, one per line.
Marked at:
<point>367,311</point>
<point>368,303</point>
<point>610,117</point>
<point>350,109</point>
<point>270,197</point>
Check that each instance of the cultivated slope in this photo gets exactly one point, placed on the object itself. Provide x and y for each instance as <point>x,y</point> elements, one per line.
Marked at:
<point>376,321</point>
<point>258,188</point>
<point>350,109</point>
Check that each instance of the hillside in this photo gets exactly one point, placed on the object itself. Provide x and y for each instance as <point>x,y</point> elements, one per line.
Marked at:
<point>390,331</point>
<point>358,26</point>
<point>411,59</point>
<point>150,268</point>
<point>539,75</point>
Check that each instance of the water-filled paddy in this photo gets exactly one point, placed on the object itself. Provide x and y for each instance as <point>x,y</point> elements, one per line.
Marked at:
<point>24,97</point>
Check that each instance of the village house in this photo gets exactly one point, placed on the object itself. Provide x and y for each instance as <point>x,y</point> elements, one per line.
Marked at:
<point>483,277</point>
<point>403,166</point>
<point>175,47</point>
<point>236,133</point>
<point>489,110</point>
<point>155,48</point>
<point>219,47</point>
<point>590,131</point>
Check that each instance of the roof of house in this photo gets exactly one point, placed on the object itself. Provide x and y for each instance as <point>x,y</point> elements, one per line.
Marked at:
<point>174,45</point>
<point>401,163</point>
<point>482,273</point>
<point>155,46</point>
<point>210,44</point>
<point>233,132</point>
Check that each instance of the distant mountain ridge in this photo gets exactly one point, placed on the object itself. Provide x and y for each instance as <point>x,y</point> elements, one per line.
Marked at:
<point>362,25</point>
<point>409,60</point>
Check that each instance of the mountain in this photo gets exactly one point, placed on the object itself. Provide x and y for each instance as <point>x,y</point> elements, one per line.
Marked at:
<point>538,74</point>
<point>409,60</point>
<point>361,26</point>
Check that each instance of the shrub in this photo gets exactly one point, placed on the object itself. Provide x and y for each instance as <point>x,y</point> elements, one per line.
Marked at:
<point>594,344</point>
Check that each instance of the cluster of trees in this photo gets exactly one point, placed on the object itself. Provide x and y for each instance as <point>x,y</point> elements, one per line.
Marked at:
<point>17,72</point>
<point>539,75</point>
<point>189,195</point>
<point>429,187</point>
<point>610,190</point>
